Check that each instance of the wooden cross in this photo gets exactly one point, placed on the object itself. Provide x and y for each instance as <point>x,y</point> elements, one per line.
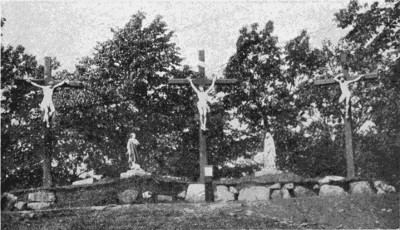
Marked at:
<point>48,134</point>
<point>202,81</point>
<point>347,121</point>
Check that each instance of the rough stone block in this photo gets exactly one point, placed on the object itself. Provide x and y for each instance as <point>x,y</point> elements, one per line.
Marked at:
<point>164,198</point>
<point>331,190</point>
<point>382,187</point>
<point>275,194</point>
<point>128,196</point>
<point>146,195</point>
<point>222,193</point>
<point>41,196</point>
<point>254,193</point>
<point>285,193</point>
<point>182,195</point>
<point>133,172</point>
<point>288,186</point>
<point>20,205</point>
<point>196,193</point>
<point>361,187</point>
<point>7,201</point>
<point>300,191</point>
<point>275,186</point>
<point>328,179</point>
<point>85,181</point>
<point>39,205</point>
<point>233,190</point>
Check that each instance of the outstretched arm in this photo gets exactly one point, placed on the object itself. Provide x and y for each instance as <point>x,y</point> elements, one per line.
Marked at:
<point>357,79</point>
<point>61,83</point>
<point>192,85</point>
<point>34,84</point>
<point>212,84</point>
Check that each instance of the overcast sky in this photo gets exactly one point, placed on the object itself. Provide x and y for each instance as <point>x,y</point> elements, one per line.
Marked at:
<point>69,30</point>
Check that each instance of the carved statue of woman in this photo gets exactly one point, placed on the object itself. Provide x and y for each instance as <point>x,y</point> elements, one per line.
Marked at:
<point>270,153</point>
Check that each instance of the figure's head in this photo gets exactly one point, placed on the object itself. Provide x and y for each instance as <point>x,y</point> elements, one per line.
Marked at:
<point>201,88</point>
<point>341,79</point>
<point>133,135</point>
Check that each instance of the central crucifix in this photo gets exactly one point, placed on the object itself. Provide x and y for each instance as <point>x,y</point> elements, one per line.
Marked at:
<point>201,83</point>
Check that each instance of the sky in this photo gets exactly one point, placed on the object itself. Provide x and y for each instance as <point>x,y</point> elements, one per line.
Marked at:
<point>69,30</point>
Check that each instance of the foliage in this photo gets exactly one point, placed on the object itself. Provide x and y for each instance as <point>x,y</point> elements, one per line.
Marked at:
<point>374,39</point>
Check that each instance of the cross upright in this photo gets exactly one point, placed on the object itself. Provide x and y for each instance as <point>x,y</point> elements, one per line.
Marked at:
<point>347,119</point>
<point>48,135</point>
<point>202,81</point>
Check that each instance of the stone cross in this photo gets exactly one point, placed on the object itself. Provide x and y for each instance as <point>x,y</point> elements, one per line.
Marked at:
<point>347,121</point>
<point>202,81</point>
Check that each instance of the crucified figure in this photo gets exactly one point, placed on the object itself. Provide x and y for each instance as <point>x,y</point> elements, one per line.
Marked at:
<point>202,105</point>
<point>47,105</point>
<point>344,87</point>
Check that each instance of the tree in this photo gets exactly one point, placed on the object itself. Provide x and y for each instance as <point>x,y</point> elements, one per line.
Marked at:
<point>20,165</point>
<point>128,92</point>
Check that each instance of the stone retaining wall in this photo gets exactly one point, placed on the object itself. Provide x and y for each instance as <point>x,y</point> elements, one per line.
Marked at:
<point>97,194</point>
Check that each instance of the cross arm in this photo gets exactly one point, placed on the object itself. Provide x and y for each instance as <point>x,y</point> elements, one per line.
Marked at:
<point>73,84</point>
<point>201,81</point>
<point>330,81</point>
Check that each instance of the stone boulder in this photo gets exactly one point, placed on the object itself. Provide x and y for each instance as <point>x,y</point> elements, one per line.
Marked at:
<point>133,172</point>
<point>7,201</point>
<point>195,193</point>
<point>254,193</point>
<point>331,190</point>
<point>221,193</point>
<point>361,188</point>
<point>383,188</point>
<point>275,186</point>
<point>39,205</point>
<point>164,198</point>
<point>288,186</point>
<point>41,196</point>
<point>85,181</point>
<point>233,190</point>
<point>285,193</point>
<point>20,206</point>
<point>181,195</point>
<point>329,179</point>
<point>276,194</point>
<point>128,196</point>
<point>300,191</point>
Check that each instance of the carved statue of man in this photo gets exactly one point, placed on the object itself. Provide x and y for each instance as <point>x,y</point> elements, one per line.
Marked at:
<point>47,105</point>
<point>204,97</point>
<point>344,87</point>
<point>132,150</point>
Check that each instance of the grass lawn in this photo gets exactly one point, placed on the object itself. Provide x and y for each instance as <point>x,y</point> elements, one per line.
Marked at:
<point>315,212</point>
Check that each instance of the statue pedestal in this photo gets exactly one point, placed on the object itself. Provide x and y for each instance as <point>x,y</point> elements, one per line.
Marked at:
<point>134,171</point>
<point>267,172</point>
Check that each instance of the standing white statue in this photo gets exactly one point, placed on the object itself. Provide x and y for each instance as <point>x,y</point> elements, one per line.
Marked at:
<point>267,157</point>
<point>132,151</point>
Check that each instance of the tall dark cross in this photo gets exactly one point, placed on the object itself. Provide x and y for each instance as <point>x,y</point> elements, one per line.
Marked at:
<point>48,134</point>
<point>347,121</point>
<point>202,81</point>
